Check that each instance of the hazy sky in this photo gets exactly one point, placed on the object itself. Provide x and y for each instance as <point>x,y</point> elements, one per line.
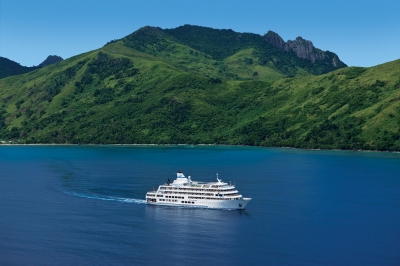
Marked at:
<point>361,33</point>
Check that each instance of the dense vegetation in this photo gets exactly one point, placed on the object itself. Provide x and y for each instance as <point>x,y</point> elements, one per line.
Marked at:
<point>10,68</point>
<point>150,88</point>
<point>219,45</point>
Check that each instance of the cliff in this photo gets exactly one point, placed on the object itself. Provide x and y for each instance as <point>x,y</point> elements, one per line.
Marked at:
<point>303,49</point>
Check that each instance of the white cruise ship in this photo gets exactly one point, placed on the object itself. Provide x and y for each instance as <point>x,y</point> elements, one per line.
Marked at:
<point>184,192</point>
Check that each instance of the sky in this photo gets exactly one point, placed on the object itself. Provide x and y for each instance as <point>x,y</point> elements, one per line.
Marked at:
<point>362,33</point>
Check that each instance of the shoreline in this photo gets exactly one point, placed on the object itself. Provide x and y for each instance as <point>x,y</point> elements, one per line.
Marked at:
<point>222,145</point>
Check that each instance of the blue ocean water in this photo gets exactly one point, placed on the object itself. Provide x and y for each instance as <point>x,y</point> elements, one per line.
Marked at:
<point>83,205</point>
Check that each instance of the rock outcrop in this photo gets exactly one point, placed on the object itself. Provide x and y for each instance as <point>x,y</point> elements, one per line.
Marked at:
<point>305,49</point>
<point>275,40</point>
<point>302,48</point>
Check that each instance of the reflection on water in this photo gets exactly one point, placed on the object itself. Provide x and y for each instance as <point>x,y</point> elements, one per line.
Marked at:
<point>73,205</point>
<point>182,232</point>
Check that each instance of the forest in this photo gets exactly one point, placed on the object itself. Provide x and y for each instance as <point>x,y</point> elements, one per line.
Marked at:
<point>178,86</point>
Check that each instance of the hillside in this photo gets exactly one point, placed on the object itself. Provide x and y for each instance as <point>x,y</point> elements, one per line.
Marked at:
<point>218,45</point>
<point>10,68</point>
<point>152,87</point>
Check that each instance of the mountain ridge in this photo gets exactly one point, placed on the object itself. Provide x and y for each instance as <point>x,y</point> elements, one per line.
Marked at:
<point>302,48</point>
<point>220,44</point>
<point>166,92</point>
<point>10,68</point>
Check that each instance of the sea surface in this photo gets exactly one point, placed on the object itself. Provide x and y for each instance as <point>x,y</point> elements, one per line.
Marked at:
<point>84,205</point>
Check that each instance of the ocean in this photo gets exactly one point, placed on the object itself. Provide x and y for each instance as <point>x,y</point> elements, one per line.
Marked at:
<point>84,205</point>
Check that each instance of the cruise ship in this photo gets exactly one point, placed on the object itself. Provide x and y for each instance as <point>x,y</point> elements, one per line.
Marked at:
<point>184,192</point>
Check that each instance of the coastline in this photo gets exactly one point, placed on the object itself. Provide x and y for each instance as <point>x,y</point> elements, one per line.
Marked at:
<point>180,144</point>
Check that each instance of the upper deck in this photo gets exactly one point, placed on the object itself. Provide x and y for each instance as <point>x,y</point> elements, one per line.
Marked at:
<point>183,183</point>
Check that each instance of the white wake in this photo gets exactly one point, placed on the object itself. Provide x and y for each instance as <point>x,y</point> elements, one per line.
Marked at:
<point>108,198</point>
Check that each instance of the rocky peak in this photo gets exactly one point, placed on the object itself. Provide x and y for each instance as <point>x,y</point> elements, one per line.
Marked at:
<point>302,48</point>
<point>305,49</point>
<point>275,40</point>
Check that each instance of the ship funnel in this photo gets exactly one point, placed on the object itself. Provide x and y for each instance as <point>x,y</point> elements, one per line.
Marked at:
<point>180,174</point>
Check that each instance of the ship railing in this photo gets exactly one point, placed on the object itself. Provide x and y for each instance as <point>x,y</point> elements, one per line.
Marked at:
<point>197,193</point>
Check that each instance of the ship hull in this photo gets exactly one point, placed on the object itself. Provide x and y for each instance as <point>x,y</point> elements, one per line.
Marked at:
<point>212,204</point>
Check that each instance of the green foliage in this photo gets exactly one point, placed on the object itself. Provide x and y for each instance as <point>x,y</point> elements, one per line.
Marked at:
<point>248,61</point>
<point>317,90</point>
<point>104,95</point>
<point>355,72</point>
<point>105,66</point>
<point>222,44</point>
<point>10,68</point>
<point>147,39</point>
<point>169,92</point>
<point>57,82</point>
<point>288,63</point>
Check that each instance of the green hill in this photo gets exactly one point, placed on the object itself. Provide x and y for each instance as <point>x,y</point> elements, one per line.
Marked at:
<point>10,68</point>
<point>154,87</point>
<point>188,44</point>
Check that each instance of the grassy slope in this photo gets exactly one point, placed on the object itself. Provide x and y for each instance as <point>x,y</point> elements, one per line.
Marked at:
<point>349,108</point>
<point>120,95</point>
<point>244,65</point>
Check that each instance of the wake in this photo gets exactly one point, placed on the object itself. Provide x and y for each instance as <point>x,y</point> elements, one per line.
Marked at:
<point>107,198</point>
